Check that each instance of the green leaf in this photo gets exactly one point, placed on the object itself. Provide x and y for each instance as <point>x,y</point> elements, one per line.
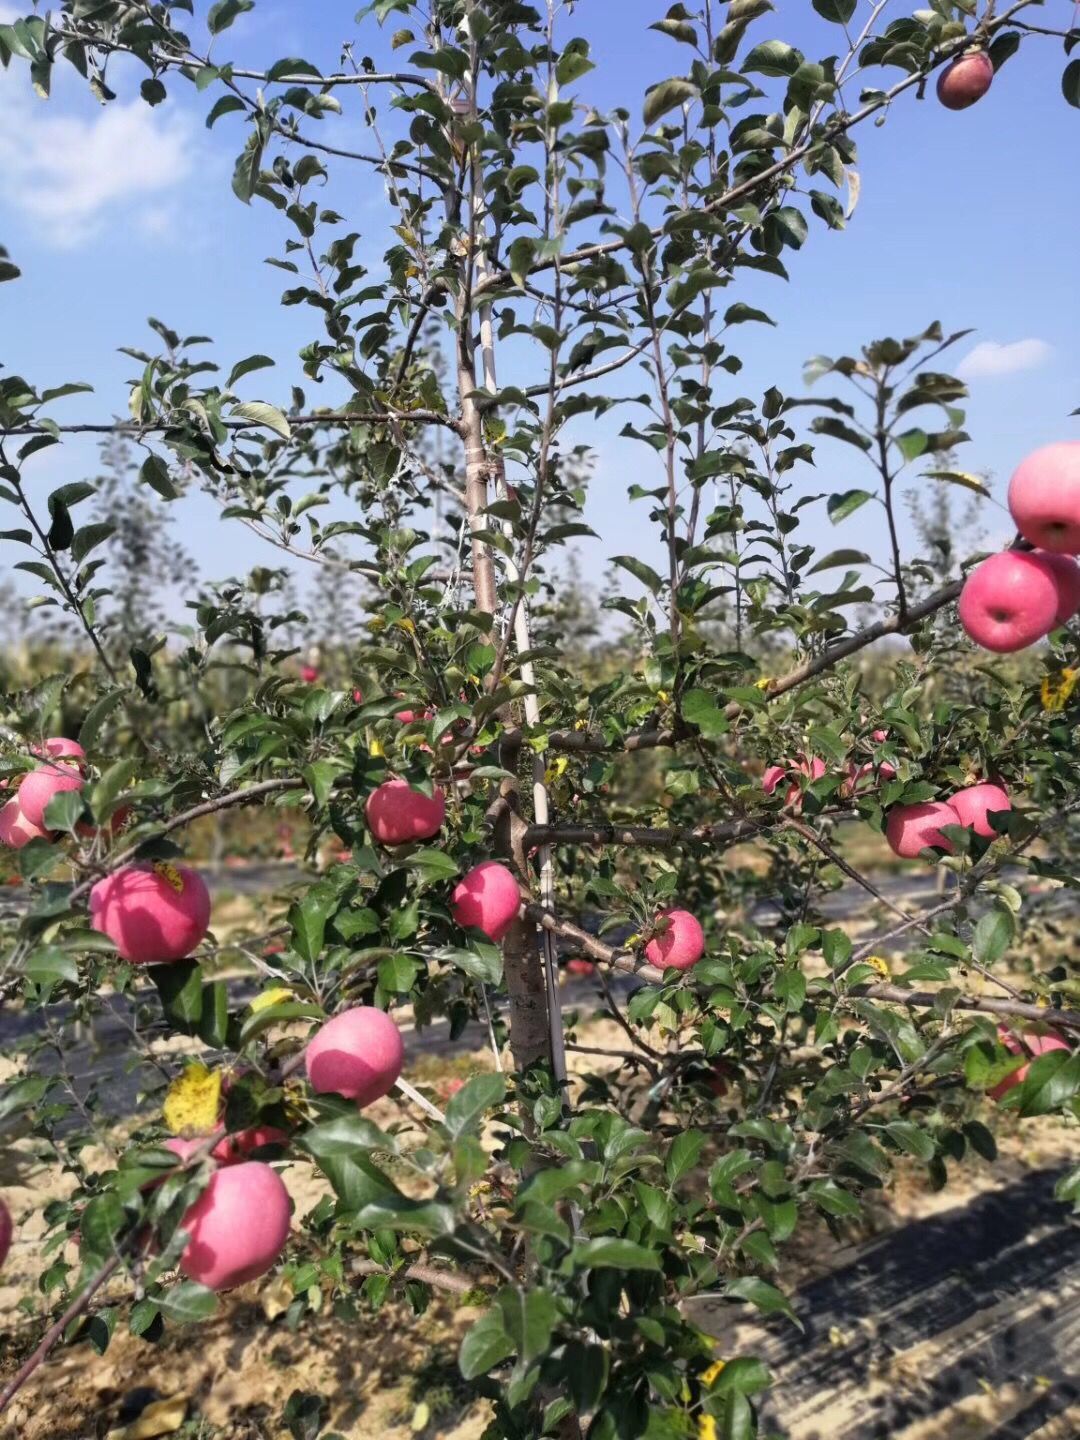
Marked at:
<point>701,710</point>
<point>528,1318</point>
<point>64,811</point>
<point>485,1345</point>
<point>842,505</point>
<point>472,1102</point>
<point>345,1136</point>
<point>187,1303</point>
<point>260,413</point>
<point>648,576</point>
<point>101,1222</point>
<point>482,962</point>
<point>180,986</point>
<point>773,57</point>
<point>958,477</point>
<point>993,936</point>
<point>911,1138</point>
<point>1070,83</point>
<point>1051,1082</point>
<point>49,966</point>
<point>308,919</point>
<point>245,367</point>
<point>89,538</point>
<point>836,558</point>
<point>612,1253</point>
<point>155,473</point>
<point>684,1154</point>
<point>766,1297</point>
<point>221,16</point>
<point>839,11</point>
<point>667,96</point>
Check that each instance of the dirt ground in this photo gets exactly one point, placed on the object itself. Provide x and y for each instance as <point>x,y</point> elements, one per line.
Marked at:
<point>391,1376</point>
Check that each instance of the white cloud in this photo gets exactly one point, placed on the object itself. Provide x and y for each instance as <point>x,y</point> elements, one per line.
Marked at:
<point>66,173</point>
<point>991,358</point>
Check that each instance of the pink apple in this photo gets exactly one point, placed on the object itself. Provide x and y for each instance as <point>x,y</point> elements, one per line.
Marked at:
<point>15,830</point>
<point>580,968</point>
<point>1009,601</point>
<point>1034,1043</point>
<point>6,1230</point>
<point>910,829</point>
<point>681,944</point>
<point>976,804</point>
<point>237,1227</point>
<point>242,1144</point>
<point>152,913</point>
<point>1044,497</point>
<point>1067,574</point>
<point>811,766</point>
<point>396,813</point>
<point>358,1054</point>
<point>488,898</point>
<point>308,674</point>
<point>965,80</point>
<point>358,697</point>
<point>59,747</point>
<point>38,788</point>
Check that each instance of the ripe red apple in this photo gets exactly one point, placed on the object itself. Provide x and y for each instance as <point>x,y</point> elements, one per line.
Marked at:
<point>488,898</point>
<point>1067,574</point>
<point>152,913</point>
<point>6,1229</point>
<point>242,1144</point>
<point>681,945</point>
<point>396,813</point>
<point>811,766</point>
<point>237,1227</point>
<point>1009,601</point>
<point>15,830</point>
<point>1033,1043</point>
<point>976,804</point>
<point>580,967</point>
<point>38,788</point>
<point>910,829</point>
<point>308,674</point>
<point>358,696</point>
<point>358,1054</point>
<point>965,80</point>
<point>1044,497</point>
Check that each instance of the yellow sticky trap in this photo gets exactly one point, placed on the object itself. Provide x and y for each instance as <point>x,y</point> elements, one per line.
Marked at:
<point>277,996</point>
<point>1056,691</point>
<point>170,875</point>
<point>193,1102</point>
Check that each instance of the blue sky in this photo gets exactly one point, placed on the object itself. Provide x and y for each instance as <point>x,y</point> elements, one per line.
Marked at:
<point>120,212</point>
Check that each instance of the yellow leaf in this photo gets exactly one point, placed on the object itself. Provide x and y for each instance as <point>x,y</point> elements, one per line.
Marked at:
<point>276,1297</point>
<point>193,1103</point>
<point>407,625</point>
<point>170,875</point>
<point>707,1428</point>
<point>763,683</point>
<point>376,749</point>
<point>880,964</point>
<point>712,1374</point>
<point>162,1417</point>
<point>270,997</point>
<point>1056,691</point>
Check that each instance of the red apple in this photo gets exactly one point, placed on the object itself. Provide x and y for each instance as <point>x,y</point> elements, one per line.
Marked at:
<point>910,829</point>
<point>580,968</point>
<point>488,898</point>
<point>358,1054</point>
<point>39,787</point>
<point>15,830</point>
<point>152,913</point>
<point>396,813</point>
<point>1033,1043</point>
<point>810,766</point>
<point>1067,574</point>
<point>308,674</point>
<point>238,1226</point>
<point>1044,497</point>
<point>976,804</point>
<point>1009,601</point>
<point>6,1230</point>
<point>681,944</point>
<point>242,1144</point>
<point>965,80</point>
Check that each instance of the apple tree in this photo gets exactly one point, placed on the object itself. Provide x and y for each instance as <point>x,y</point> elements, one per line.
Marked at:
<point>674,809</point>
